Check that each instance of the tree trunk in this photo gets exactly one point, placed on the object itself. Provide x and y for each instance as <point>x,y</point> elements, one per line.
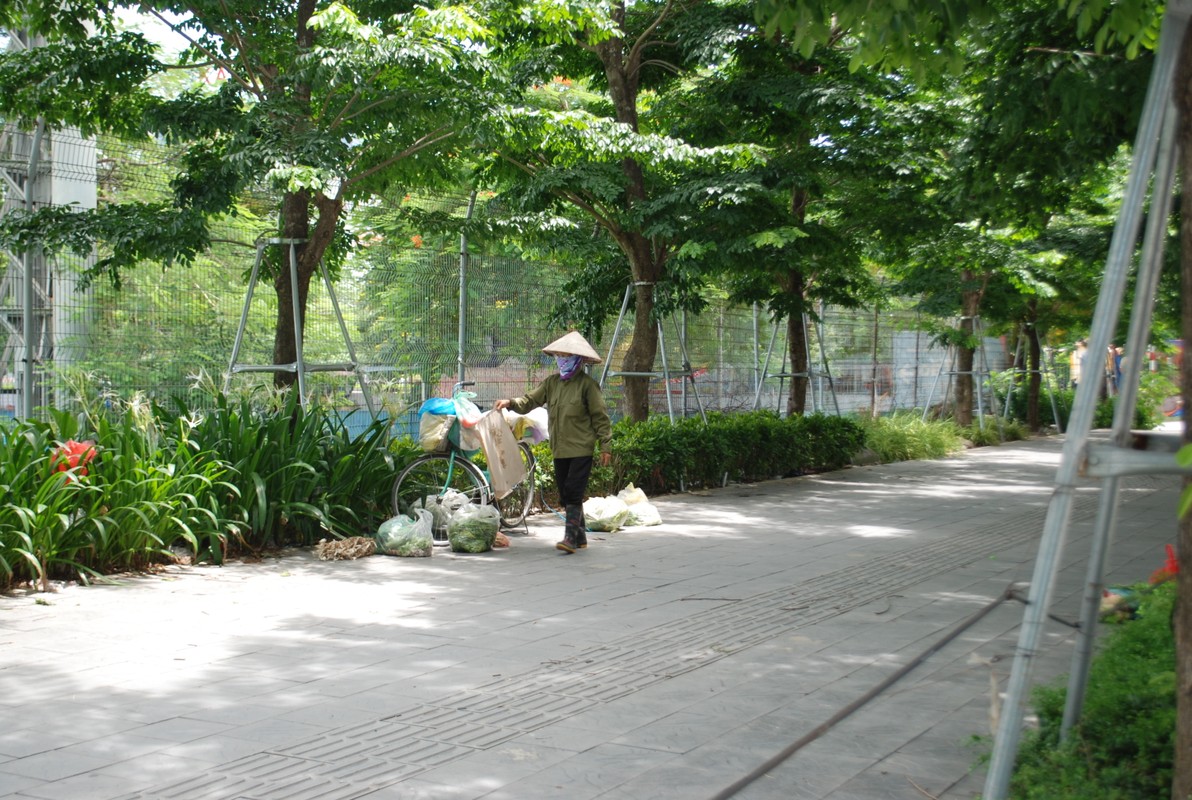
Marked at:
<point>970,305</point>
<point>1034,365</point>
<point>1181,782</point>
<point>296,228</point>
<point>647,258</point>
<point>309,249</point>
<point>644,347</point>
<point>796,337</point>
<point>962,414</point>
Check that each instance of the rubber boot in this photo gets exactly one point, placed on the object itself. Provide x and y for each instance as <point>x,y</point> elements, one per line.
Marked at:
<point>571,525</point>
<point>581,530</point>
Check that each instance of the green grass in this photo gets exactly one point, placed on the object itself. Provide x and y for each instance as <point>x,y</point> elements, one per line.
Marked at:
<point>905,436</point>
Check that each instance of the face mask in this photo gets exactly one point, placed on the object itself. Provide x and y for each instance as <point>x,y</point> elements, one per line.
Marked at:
<point>569,365</point>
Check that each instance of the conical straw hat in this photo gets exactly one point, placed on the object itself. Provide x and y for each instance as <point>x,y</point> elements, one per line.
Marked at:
<point>572,344</point>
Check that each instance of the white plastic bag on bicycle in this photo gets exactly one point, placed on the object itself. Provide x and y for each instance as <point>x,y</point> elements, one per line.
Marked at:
<point>506,468</point>
<point>433,430</point>
<point>467,411</point>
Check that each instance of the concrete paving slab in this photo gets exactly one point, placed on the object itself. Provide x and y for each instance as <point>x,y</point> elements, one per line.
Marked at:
<point>662,662</point>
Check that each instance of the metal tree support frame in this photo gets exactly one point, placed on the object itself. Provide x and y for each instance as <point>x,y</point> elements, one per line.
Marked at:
<point>1154,158</point>
<point>980,377</point>
<point>1043,373</point>
<point>299,366</point>
<point>812,374</point>
<point>666,372</point>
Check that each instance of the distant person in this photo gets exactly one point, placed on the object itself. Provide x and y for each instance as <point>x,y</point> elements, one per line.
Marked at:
<point>1076,362</point>
<point>577,421</point>
<point>1110,366</point>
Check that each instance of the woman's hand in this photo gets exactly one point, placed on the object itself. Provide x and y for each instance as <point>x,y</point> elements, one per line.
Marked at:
<point>606,458</point>
<point>500,404</point>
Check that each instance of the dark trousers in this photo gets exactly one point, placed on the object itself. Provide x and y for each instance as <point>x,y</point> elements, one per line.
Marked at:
<point>571,476</point>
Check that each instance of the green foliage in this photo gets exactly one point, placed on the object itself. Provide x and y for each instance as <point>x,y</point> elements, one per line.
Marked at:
<point>1153,390</point>
<point>94,84</point>
<point>1134,23</point>
<point>213,482</point>
<point>146,487</point>
<point>1123,746</point>
<point>1147,414</point>
<point>1063,404</point>
<point>917,35</point>
<point>297,472</point>
<point>40,535</point>
<point>905,436</point>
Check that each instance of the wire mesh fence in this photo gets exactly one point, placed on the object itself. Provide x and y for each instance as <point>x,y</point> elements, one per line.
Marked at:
<point>420,315</point>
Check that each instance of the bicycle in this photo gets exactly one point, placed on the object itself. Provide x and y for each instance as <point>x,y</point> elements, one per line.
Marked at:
<point>434,474</point>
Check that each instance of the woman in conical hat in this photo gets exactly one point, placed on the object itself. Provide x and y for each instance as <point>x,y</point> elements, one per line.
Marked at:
<point>578,421</point>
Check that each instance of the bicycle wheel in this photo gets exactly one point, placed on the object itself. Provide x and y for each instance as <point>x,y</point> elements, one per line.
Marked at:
<point>430,477</point>
<point>515,505</point>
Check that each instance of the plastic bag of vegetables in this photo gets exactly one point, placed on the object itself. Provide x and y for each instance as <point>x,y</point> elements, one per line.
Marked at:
<point>406,536</point>
<point>643,513</point>
<point>473,528</point>
<point>442,508</point>
<point>605,513</point>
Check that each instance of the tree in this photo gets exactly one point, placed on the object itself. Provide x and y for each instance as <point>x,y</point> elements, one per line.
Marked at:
<point>325,105</point>
<point>847,154</point>
<point>921,35</point>
<point>1041,113</point>
<point>604,157</point>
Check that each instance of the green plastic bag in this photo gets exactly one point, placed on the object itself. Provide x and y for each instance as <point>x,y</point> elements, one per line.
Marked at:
<point>473,528</point>
<point>406,536</point>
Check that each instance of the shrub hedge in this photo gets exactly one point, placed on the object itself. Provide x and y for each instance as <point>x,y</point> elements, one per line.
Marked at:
<point>660,458</point>
<point>1124,744</point>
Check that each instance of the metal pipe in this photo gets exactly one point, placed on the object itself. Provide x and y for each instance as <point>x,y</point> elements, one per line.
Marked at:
<point>616,332</point>
<point>1150,265</point>
<point>239,340</point>
<point>463,292</point>
<point>757,397</point>
<point>299,327</point>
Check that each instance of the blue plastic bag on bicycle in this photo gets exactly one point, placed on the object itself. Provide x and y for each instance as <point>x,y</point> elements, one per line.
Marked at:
<point>439,406</point>
<point>436,420</point>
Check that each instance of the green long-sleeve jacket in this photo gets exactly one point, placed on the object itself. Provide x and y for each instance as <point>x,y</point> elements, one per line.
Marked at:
<point>577,415</point>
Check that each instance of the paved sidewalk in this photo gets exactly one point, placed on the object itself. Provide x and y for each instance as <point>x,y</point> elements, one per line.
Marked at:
<point>662,662</point>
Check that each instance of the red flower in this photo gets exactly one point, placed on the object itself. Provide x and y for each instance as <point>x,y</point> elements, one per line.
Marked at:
<point>1169,570</point>
<point>74,455</point>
